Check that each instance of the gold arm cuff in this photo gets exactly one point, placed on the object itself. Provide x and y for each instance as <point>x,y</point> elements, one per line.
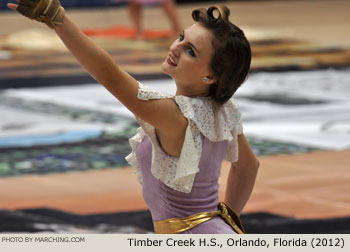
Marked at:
<point>231,218</point>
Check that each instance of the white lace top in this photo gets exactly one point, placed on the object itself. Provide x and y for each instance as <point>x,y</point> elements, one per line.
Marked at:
<point>215,122</point>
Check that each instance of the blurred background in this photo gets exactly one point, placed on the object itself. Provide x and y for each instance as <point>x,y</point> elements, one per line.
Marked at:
<point>63,138</point>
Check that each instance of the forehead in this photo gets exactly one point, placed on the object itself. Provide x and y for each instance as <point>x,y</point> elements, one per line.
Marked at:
<point>200,37</point>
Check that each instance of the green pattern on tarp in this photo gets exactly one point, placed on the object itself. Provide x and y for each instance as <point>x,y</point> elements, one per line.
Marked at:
<point>108,151</point>
<point>263,147</point>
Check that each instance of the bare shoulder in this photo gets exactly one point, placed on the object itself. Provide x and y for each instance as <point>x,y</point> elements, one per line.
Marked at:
<point>163,114</point>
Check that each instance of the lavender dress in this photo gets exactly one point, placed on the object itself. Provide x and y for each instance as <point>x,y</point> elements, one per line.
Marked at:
<point>176,187</point>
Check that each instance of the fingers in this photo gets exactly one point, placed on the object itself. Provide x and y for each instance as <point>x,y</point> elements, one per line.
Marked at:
<point>24,10</point>
<point>12,6</point>
<point>25,7</point>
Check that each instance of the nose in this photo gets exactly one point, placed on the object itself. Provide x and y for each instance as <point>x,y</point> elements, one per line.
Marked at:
<point>175,48</point>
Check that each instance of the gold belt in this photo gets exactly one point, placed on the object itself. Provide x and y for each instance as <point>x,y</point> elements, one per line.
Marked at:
<point>180,225</point>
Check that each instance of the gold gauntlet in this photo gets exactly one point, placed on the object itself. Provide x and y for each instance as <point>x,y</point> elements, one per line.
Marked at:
<point>49,12</point>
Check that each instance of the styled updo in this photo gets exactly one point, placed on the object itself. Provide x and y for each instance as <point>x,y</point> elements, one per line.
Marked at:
<point>231,58</point>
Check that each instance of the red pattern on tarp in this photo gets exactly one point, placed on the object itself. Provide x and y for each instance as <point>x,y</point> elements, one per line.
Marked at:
<point>126,32</point>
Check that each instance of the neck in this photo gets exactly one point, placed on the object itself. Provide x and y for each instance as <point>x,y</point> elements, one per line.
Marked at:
<point>192,90</point>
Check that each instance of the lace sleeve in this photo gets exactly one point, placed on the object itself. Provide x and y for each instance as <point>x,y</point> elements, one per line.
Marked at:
<point>216,122</point>
<point>146,93</point>
<point>232,150</point>
<point>176,173</point>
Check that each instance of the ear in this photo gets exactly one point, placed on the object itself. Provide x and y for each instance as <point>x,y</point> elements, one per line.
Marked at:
<point>208,80</point>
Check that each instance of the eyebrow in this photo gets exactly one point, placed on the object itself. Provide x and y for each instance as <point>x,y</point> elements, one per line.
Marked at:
<point>191,44</point>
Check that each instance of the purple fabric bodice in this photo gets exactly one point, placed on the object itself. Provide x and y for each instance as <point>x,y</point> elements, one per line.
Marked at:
<point>165,202</point>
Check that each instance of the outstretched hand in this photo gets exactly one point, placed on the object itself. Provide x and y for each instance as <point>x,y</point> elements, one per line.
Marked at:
<point>49,12</point>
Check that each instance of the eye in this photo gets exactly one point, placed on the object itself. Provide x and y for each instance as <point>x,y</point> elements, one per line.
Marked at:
<point>181,37</point>
<point>190,51</point>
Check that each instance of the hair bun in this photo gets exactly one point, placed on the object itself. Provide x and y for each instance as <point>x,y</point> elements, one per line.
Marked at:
<point>218,13</point>
<point>215,15</point>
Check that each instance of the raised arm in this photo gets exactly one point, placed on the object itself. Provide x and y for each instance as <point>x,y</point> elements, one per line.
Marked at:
<point>241,178</point>
<point>163,114</point>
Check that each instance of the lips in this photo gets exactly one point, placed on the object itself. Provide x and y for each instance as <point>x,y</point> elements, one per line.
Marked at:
<point>171,61</point>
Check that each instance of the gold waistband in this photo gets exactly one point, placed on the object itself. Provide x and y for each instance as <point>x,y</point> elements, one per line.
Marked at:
<point>180,225</point>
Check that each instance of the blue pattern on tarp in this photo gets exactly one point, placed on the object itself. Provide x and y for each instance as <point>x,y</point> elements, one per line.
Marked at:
<point>86,3</point>
<point>46,139</point>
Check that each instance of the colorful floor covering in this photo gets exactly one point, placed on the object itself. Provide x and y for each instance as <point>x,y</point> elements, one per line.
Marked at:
<point>37,58</point>
<point>33,155</point>
<point>54,221</point>
<point>87,146</point>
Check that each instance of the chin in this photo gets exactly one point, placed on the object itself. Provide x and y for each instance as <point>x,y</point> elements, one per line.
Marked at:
<point>165,69</point>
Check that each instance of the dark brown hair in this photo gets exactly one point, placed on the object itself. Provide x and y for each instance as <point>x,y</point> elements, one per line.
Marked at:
<point>231,59</point>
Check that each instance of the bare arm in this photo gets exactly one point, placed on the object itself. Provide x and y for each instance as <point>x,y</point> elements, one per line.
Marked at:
<point>241,178</point>
<point>163,114</point>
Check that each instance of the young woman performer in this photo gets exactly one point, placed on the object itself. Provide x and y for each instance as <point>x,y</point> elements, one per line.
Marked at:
<point>184,137</point>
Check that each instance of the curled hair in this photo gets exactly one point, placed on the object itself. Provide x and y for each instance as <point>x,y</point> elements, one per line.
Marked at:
<point>230,62</point>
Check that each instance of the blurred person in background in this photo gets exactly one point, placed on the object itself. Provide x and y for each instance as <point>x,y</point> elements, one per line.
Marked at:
<point>169,7</point>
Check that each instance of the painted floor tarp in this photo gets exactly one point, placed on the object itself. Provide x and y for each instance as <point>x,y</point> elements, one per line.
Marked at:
<point>58,129</point>
<point>310,108</point>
